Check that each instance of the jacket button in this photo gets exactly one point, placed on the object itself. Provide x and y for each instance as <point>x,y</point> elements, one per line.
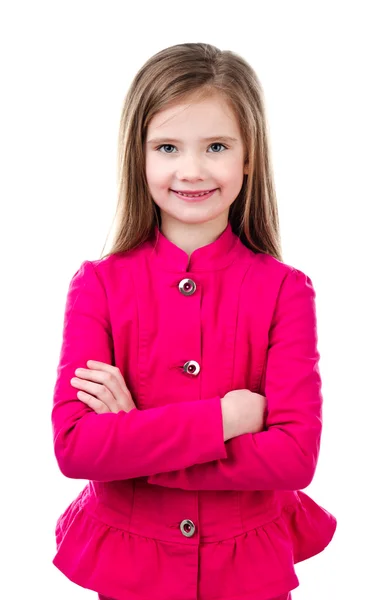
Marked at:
<point>191,367</point>
<point>187,527</point>
<point>187,287</point>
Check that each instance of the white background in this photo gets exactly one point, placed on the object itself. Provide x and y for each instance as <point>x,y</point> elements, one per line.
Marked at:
<point>65,69</point>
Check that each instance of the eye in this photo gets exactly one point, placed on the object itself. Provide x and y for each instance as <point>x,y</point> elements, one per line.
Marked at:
<point>218,144</point>
<point>171,146</point>
<point>165,146</point>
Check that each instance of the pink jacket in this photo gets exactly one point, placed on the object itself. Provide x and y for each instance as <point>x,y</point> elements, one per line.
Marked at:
<point>170,511</point>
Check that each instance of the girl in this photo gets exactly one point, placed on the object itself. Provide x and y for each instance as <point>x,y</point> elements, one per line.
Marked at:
<point>188,391</point>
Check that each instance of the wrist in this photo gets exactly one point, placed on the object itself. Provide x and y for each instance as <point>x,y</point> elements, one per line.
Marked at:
<point>228,421</point>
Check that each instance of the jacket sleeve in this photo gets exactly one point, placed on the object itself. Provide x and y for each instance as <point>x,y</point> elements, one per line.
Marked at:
<point>113,446</point>
<point>283,456</point>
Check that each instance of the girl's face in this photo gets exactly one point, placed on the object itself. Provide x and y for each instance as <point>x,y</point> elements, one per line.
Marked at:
<point>195,146</point>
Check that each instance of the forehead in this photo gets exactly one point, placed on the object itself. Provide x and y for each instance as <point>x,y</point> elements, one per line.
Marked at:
<point>209,113</point>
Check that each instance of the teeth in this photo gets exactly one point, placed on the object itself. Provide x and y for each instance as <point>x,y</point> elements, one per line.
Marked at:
<point>193,195</point>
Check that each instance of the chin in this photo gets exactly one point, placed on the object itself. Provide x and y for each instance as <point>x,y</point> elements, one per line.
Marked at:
<point>196,219</point>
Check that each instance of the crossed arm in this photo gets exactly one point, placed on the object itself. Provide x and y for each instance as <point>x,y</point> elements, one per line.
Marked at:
<point>284,455</point>
<point>181,444</point>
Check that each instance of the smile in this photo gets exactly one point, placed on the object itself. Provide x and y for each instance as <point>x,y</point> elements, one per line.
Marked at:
<point>193,197</point>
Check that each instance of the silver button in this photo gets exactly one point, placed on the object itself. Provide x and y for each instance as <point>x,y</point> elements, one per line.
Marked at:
<point>187,287</point>
<point>187,527</point>
<point>191,367</point>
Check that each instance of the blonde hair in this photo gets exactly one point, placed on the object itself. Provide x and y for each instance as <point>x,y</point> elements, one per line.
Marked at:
<point>172,75</point>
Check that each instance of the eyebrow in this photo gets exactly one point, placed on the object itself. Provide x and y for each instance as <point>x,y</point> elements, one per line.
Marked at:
<point>224,138</point>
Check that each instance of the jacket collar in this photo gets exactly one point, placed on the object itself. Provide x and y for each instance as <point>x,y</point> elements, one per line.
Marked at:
<point>213,256</point>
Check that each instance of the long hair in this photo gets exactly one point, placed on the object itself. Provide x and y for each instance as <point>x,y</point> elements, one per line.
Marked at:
<point>172,75</point>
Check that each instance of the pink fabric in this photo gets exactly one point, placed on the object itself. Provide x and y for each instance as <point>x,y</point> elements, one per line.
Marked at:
<point>283,597</point>
<point>250,323</point>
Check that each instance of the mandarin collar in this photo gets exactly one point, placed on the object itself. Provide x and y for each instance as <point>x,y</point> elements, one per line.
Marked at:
<point>213,256</point>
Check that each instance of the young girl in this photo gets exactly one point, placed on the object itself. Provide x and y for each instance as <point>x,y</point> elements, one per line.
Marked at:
<point>188,391</point>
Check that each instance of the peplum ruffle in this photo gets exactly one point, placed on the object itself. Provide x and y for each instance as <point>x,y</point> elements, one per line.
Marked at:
<point>311,527</point>
<point>124,565</point>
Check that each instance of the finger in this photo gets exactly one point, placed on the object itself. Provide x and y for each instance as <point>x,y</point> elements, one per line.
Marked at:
<point>99,391</point>
<point>93,403</point>
<point>107,390</point>
<point>106,378</point>
<point>112,369</point>
<point>110,377</point>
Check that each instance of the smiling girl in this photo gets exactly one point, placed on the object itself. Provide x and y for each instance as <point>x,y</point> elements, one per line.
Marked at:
<point>188,389</point>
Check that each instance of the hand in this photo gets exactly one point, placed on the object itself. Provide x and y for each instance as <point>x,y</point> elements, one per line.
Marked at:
<point>243,412</point>
<point>104,388</point>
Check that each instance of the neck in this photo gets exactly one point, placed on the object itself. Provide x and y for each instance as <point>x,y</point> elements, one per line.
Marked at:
<point>190,236</point>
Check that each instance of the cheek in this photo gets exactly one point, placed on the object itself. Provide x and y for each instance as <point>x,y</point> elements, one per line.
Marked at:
<point>156,175</point>
<point>232,173</point>
<point>152,174</point>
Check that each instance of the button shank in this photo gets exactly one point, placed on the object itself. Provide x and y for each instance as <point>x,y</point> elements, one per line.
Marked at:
<point>187,287</point>
<point>191,367</point>
<point>187,528</point>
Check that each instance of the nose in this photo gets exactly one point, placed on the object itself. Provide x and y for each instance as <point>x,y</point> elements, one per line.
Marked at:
<point>189,168</point>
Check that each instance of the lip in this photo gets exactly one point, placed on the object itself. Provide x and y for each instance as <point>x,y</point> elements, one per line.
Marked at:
<point>194,191</point>
<point>194,199</point>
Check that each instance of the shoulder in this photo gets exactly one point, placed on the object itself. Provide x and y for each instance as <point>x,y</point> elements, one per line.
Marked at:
<point>273,265</point>
<point>268,266</point>
<point>112,269</point>
<point>275,279</point>
<point>291,284</point>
